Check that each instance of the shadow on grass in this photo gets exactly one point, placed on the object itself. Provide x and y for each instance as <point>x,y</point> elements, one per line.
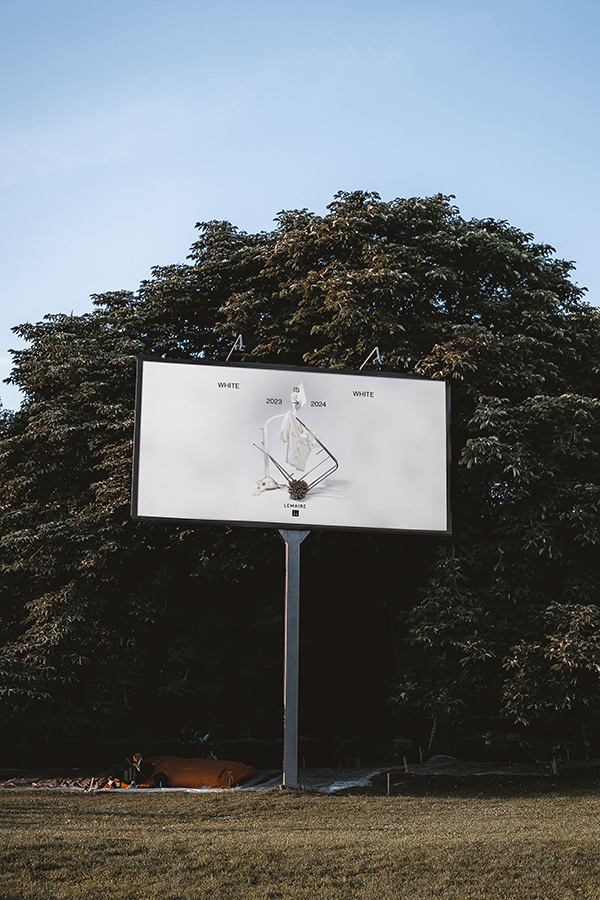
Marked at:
<point>568,781</point>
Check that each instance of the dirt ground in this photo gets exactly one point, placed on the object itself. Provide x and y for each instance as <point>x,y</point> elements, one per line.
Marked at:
<point>88,780</point>
<point>325,780</point>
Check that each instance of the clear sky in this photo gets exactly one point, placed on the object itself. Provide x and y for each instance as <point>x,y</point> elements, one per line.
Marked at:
<point>125,122</point>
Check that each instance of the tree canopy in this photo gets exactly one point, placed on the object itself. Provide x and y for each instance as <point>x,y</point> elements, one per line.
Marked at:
<point>100,616</point>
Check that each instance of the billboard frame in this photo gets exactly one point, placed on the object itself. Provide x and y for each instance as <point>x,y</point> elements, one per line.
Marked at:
<point>292,535</point>
<point>442,533</point>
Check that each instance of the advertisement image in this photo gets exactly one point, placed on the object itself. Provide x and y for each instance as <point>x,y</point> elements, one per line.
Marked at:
<point>290,447</point>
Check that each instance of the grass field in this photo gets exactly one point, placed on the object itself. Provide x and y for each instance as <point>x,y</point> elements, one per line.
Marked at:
<point>498,841</point>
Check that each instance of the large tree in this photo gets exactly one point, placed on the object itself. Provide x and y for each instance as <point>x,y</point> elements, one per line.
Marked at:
<point>108,621</point>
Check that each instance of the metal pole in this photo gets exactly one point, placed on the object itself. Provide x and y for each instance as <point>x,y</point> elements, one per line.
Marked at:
<point>292,539</point>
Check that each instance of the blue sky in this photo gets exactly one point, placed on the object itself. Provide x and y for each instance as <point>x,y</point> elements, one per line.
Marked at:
<point>124,123</point>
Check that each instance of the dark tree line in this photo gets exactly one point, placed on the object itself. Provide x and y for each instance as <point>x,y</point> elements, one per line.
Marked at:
<point>113,630</point>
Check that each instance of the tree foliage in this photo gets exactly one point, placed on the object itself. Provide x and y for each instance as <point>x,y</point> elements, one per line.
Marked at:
<point>104,620</point>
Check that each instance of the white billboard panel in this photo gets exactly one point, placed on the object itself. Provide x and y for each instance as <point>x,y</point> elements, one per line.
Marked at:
<point>290,447</point>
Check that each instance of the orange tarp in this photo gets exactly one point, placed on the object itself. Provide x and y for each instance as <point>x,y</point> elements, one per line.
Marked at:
<point>197,773</point>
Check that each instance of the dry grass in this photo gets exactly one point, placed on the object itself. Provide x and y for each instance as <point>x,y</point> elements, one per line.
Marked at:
<point>296,845</point>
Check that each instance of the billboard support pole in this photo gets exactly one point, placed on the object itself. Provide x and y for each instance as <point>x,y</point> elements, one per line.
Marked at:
<point>292,539</point>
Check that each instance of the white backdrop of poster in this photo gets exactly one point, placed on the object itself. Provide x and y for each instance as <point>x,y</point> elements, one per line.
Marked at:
<point>199,430</point>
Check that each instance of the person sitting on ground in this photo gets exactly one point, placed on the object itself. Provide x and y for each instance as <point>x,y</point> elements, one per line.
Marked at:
<point>138,771</point>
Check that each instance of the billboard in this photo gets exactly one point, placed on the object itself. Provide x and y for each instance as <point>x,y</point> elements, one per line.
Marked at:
<point>290,447</point>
